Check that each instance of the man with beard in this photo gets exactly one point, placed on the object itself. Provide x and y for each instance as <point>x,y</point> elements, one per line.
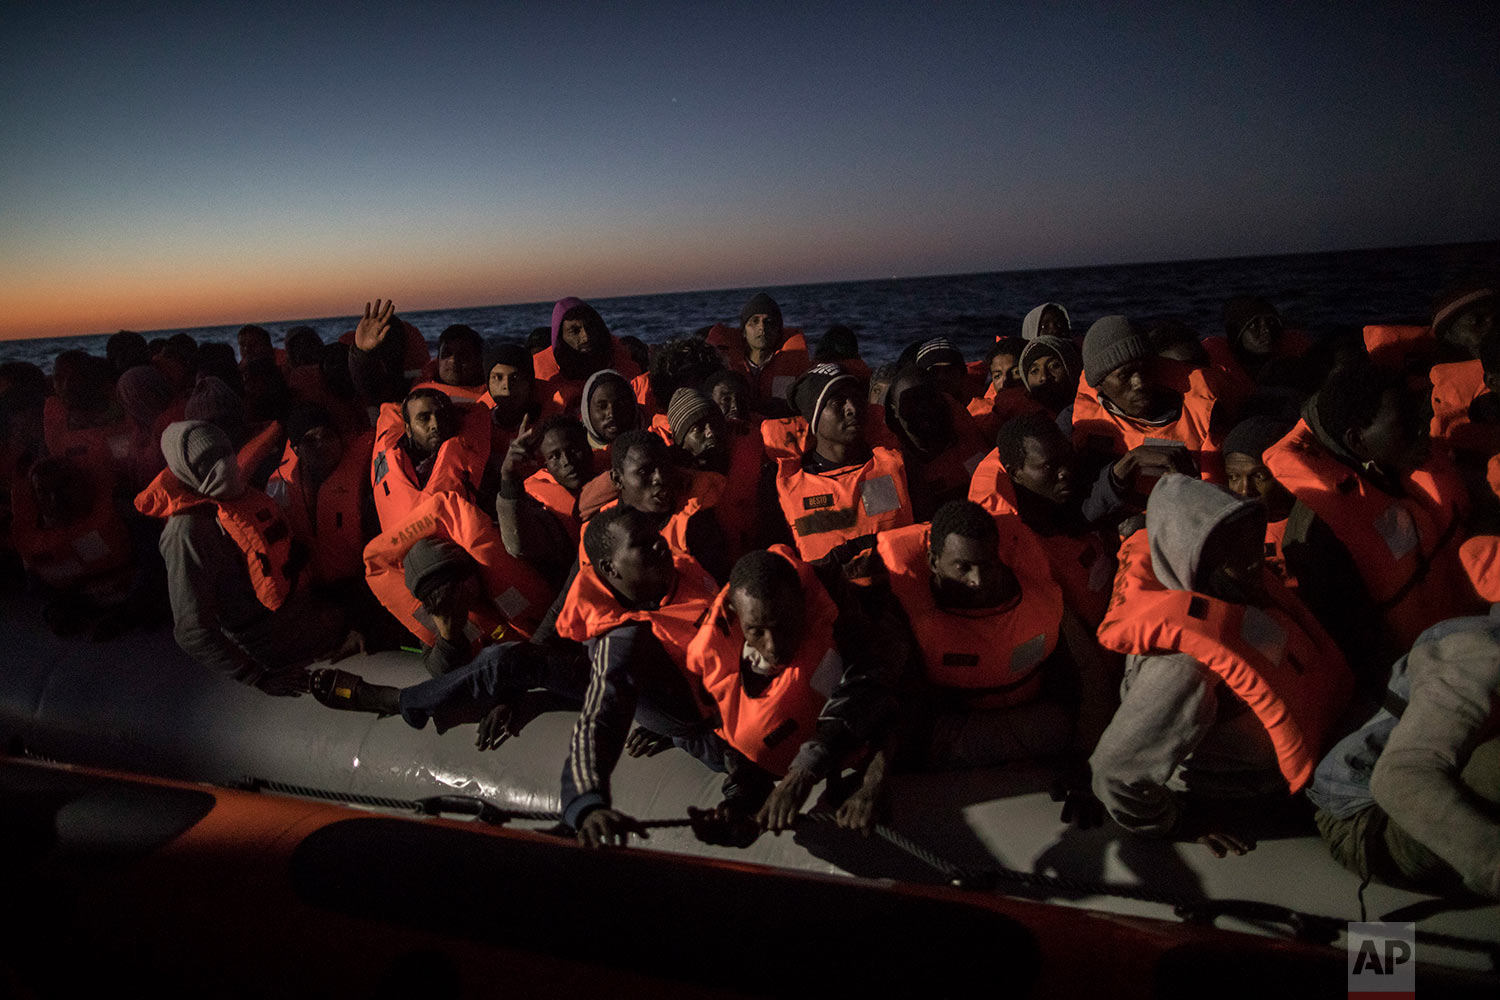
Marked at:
<point>581,345</point>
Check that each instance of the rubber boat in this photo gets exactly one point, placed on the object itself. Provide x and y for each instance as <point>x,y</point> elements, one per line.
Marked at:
<point>282,847</point>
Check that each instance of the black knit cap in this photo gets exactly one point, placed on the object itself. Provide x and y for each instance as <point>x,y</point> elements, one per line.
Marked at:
<point>759,303</point>
<point>1253,435</point>
<point>508,352</point>
<point>808,394</point>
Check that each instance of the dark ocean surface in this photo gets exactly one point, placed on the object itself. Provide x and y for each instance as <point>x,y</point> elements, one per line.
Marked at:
<point>1321,293</point>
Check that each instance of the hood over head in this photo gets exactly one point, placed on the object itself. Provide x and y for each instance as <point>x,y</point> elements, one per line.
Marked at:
<point>1181,514</point>
<point>561,309</point>
<point>1031,325</point>
<point>590,387</point>
<point>185,442</point>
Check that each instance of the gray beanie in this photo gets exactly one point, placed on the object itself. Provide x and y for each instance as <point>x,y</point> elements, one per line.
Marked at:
<point>1111,342</point>
<point>432,561</point>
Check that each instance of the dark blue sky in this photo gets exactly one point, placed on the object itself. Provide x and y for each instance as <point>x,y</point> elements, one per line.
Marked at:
<point>214,162</point>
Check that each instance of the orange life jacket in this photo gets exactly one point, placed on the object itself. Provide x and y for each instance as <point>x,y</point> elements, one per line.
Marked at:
<point>108,445</point>
<point>1455,386</point>
<point>951,470</point>
<point>516,596</point>
<point>591,609</point>
<point>252,521</point>
<point>1083,565</point>
<point>71,556</point>
<point>1481,559</point>
<point>788,437</point>
<point>1098,430</point>
<point>334,537</point>
<point>1406,548</point>
<point>1237,383</point>
<point>994,653</point>
<point>551,494</point>
<point>458,468</point>
<point>1392,346</point>
<point>1278,660</point>
<point>994,410</point>
<point>825,510</point>
<point>704,491</point>
<point>258,452</point>
<point>563,392</point>
<point>1275,557</point>
<point>1492,475</point>
<point>736,509</point>
<point>770,727</point>
<point>775,377</point>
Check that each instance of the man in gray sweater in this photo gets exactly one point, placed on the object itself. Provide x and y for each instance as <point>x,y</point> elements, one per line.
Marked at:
<point>1412,797</point>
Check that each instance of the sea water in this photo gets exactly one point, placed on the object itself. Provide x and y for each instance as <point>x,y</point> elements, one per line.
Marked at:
<point>1321,293</point>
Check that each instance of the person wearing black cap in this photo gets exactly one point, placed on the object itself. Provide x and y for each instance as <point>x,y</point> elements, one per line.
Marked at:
<point>1128,400</point>
<point>1249,479</point>
<point>764,351</point>
<point>841,492</point>
<point>945,363</point>
<point>1257,348</point>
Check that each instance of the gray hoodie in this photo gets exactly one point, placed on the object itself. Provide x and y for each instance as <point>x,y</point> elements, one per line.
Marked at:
<point>218,620</point>
<point>1177,727</point>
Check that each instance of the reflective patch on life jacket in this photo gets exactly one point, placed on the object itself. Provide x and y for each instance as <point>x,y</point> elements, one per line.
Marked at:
<point>972,462</point>
<point>780,384</point>
<point>511,603</point>
<point>827,676</point>
<point>1264,633</point>
<point>91,547</point>
<point>1028,654</point>
<point>379,468</point>
<point>879,496</point>
<point>825,520</point>
<point>1397,530</point>
<point>119,447</point>
<point>960,659</point>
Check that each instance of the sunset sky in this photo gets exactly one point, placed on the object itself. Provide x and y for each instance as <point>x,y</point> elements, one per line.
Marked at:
<point>219,163</point>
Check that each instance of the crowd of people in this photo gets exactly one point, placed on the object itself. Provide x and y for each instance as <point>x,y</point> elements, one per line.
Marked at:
<point>1224,585</point>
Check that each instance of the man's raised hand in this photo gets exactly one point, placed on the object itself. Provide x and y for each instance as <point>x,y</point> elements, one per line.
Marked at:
<point>375,324</point>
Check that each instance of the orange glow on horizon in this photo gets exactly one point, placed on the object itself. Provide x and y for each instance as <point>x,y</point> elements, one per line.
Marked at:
<point>221,289</point>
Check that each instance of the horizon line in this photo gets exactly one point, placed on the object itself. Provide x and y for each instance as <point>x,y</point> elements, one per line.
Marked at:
<point>789,285</point>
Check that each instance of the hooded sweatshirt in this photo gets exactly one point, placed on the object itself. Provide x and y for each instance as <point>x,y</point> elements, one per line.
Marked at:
<point>218,619</point>
<point>1031,326</point>
<point>1177,726</point>
<point>595,381</point>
